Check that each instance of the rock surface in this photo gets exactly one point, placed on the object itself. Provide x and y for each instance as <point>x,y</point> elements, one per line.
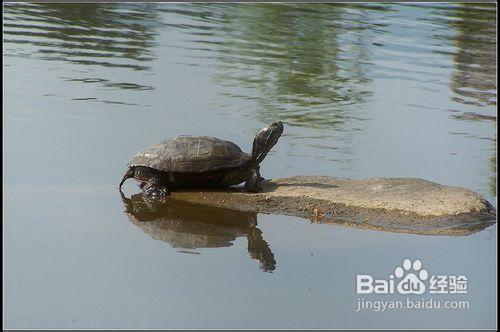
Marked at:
<point>399,205</point>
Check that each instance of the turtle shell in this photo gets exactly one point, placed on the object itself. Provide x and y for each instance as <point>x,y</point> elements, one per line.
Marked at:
<point>191,154</point>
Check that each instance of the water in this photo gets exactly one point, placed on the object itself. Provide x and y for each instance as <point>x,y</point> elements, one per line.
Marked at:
<point>364,90</point>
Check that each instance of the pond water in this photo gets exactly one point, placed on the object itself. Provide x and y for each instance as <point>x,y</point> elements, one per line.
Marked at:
<point>364,90</point>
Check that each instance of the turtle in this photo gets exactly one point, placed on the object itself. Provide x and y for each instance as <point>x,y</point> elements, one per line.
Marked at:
<point>190,162</point>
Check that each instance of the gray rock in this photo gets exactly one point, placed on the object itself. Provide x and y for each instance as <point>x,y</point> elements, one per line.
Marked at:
<point>399,205</point>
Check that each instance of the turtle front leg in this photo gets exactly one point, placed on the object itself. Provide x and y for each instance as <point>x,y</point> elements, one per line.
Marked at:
<point>252,184</point>
<point>154,188</point>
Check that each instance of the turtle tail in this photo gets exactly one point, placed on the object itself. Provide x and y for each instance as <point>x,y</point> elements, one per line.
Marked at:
<point>128,174</point>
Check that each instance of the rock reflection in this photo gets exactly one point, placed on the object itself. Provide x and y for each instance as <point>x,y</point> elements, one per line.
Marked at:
<point>190,226</point>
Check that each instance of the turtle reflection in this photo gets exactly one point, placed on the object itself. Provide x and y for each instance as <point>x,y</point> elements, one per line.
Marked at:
<point>190,226</point>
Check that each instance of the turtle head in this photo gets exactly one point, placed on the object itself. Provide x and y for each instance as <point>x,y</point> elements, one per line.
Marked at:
<point>265,139</point>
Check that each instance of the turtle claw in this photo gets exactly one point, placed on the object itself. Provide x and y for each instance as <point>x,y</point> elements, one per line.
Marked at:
<point>154,190</point>
<point>162,192</point>
<point>157,193</point>
<point>253,189</point>
<point>252,184</point>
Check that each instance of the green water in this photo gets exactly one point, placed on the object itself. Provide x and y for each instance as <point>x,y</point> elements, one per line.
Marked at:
<point>364,90</point>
